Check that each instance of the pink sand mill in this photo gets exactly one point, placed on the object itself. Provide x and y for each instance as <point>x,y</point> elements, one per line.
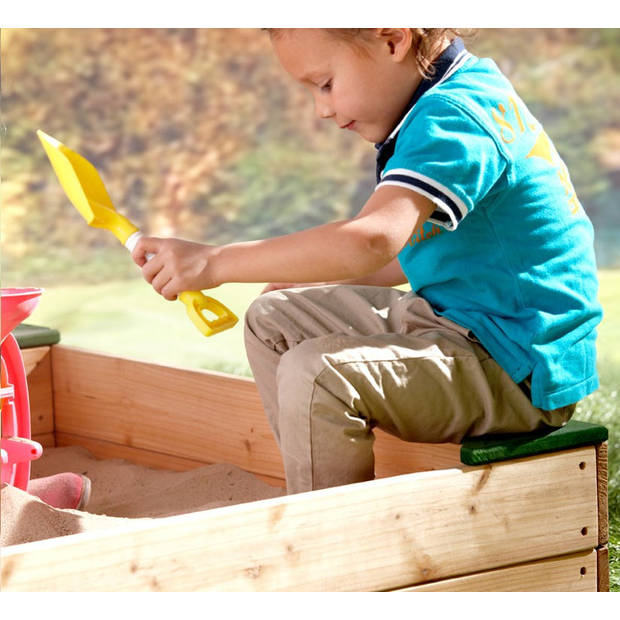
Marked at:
<point>17,449</point>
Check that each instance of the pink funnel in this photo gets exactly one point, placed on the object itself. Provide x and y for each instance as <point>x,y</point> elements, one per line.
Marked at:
<point>17,305</point>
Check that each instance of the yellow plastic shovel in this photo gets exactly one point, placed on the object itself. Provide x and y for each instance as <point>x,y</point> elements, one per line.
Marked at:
<point>85,189</point>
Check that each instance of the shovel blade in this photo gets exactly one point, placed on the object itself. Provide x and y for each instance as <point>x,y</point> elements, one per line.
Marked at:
<point>80,180</point>
<point>85,189</point>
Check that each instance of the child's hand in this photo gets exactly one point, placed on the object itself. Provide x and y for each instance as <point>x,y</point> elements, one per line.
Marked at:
<point>172,266</point>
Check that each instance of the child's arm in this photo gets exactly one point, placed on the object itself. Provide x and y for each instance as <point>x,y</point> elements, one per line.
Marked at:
<point>349,250</point>
<point>390,275</point>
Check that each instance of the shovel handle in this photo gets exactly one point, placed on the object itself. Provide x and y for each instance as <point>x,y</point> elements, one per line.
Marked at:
<point>196,303</point>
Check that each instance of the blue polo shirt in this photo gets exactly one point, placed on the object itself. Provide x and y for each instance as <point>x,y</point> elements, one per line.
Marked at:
<point>508,251</point>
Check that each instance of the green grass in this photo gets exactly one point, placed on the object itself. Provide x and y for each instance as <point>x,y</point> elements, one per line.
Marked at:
<point>127,318</point>
<point>603,407</point>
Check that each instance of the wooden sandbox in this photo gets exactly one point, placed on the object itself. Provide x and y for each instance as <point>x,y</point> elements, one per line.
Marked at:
<point>427,523</point>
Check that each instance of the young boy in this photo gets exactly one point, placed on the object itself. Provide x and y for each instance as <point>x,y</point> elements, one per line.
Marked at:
<point>473,207</point>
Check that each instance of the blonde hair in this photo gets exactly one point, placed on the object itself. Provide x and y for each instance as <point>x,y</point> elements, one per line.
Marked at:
<point>426,44</point>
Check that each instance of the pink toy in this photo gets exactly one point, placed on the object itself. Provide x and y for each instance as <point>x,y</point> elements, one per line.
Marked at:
<point>17,449</point>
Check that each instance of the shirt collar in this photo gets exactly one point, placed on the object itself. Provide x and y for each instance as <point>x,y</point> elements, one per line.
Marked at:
<point>451,59</point>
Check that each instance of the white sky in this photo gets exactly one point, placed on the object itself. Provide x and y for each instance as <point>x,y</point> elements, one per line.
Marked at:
<point>309,13</point>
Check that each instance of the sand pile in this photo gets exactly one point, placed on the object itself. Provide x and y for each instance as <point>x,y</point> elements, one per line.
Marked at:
<point>122,490</point>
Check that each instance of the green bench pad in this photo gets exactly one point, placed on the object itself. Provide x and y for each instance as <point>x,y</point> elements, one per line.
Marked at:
<point>29,336</point>
<point>491,448</point>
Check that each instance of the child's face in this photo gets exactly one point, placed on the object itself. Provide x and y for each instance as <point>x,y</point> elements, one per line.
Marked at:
<point>363,92</point>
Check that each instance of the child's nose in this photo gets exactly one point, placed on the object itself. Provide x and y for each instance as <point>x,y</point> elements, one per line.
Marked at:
<point>322,109</point>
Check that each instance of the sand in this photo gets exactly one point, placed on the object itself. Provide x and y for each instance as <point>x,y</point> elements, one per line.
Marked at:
<point>121,491</point>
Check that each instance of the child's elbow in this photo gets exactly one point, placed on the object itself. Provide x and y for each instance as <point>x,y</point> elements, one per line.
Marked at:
<point>379,249</point>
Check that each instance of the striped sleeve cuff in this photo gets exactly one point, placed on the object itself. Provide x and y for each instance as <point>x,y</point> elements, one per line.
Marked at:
<point>450,208</point>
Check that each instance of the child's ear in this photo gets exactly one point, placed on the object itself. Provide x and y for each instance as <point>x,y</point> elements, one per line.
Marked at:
<point>397,41</point>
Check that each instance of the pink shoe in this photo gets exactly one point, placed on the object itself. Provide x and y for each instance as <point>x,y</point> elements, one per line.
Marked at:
<point>66,490</point>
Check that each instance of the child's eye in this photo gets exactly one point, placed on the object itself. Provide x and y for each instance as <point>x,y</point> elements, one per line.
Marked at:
<point>327,86</point>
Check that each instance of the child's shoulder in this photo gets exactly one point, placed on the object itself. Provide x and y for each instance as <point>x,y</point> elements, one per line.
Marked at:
<point>471,97</point>
<point>477,75</point>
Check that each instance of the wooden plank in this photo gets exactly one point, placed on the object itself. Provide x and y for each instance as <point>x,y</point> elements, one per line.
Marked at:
<point>572,573</point>
<point>602,562</point>
<point>394,456</point>
<point>47,440</point>
<point>601,476</point>
<point>193,414</point>
<point>106,450</point>
<point>39,369</point>
<point>32,357</point>
<point>377,535</point>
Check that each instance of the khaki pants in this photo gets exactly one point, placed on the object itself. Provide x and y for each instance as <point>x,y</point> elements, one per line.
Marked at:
<point>333,362</point>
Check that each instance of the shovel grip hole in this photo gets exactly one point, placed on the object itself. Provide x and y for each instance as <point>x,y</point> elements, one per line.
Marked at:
<point>584,531</point>
<point>208,315</point>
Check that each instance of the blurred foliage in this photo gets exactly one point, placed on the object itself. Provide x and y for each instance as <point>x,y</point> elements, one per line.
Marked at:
<point>200,134</point>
